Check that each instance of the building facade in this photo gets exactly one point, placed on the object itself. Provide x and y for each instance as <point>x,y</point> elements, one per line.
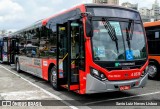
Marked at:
<point>145,11</point>
<point>112,2</point>
<point>129,5</point>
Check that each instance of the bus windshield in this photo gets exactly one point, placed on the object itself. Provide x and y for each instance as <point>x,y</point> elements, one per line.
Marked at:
<point>105,49</point>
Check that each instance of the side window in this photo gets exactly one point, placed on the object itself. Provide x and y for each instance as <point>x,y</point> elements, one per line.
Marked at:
<point>153,36</point>
<point>62,42</point>
<point>52,47</point>
<point>5,47</point>
<point>47,42</point>
<point>153,33</point>
<point>21,44</point>
<point>32,43</point>
<point>75,42</point>
<point>35,42</point>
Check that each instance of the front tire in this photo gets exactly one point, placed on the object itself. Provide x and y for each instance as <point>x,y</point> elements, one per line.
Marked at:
<point>53,78</point>
<point>153,71</point>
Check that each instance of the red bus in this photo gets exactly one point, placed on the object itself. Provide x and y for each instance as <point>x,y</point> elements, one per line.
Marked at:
<point>90,48</point>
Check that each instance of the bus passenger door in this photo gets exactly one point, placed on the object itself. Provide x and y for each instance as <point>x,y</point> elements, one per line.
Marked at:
<point>13,49</point>
<point>62,54</point>
<point>69,44</point>
<point>74,51</point>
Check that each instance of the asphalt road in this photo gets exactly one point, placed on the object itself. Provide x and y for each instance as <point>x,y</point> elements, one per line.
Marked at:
<point>23,86</point>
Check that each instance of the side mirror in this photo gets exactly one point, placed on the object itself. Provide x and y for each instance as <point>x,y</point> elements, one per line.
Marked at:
<point>89,28</point>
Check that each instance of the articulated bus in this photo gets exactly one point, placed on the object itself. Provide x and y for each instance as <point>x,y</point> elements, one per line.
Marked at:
<point>153,36</point>
<point>8,49</point>
<point>90,48</point>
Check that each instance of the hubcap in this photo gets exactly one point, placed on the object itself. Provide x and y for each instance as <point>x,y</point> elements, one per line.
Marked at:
<point>54,78</point>
<point>152,70</point>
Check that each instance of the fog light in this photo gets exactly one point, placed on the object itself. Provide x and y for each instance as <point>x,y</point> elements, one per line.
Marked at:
<point>103,77</point>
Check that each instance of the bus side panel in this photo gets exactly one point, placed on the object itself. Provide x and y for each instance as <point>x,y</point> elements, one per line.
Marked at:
<point>4,57</point>
<point>157,58</point>
<point>31,65</point>
<point>23,62</point>
<point>45,66</point>
<point>37,67</point>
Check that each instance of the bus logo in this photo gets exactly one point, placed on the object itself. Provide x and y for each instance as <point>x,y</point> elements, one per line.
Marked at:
<point>117,64</point>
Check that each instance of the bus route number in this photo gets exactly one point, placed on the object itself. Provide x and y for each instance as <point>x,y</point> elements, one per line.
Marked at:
<point>135,74</point>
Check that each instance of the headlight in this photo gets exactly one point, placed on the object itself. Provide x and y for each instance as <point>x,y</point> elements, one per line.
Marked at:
<point>145,72</point>
<point>97,74</point>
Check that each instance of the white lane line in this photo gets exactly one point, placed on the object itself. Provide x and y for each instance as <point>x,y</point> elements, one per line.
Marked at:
<point>146,94</point>
<point>47,92</point>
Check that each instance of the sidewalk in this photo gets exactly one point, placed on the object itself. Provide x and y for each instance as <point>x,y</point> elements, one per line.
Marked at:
<point>13,87</point>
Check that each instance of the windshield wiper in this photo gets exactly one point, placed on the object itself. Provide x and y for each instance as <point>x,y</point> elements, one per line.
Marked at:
<point>111,32</point>
<point>129,33</point>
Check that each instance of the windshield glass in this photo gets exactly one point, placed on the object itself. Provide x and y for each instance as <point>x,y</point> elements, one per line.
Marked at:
<point>137,43</point>
<point>104,48</point>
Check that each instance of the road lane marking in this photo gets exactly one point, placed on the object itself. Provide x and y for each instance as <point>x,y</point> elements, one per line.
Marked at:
<point>45,91</point>
<point>114,99</point>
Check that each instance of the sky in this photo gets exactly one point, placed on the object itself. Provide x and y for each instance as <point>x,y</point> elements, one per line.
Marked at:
<point>17,14</point>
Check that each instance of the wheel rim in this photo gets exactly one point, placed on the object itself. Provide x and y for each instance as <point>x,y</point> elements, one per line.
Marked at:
<point>54,78</point>
<point>152,70</point>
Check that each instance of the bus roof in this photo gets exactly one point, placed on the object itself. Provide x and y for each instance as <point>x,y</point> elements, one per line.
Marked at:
<point>151,24</point>
<point>44,22</point>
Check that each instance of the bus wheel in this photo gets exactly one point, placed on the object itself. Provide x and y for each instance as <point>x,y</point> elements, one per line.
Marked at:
<point>18,67</point>
<point>153,71</point>
<point>53,78</point>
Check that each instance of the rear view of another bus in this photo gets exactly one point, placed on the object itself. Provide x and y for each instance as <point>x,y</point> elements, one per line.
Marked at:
<point>153,36</point>
<point>4,50</point>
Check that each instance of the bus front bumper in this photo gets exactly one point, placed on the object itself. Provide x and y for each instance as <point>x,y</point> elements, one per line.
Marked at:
<point>94,85</point>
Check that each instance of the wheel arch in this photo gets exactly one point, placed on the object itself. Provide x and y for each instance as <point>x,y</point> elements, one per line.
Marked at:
<point>153,61</point>
<point>49,68</point>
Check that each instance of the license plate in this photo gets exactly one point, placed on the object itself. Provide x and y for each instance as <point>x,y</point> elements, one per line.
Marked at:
<point>124,88</point>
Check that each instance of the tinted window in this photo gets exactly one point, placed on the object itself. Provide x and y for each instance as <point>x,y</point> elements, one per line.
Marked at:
<point>112,12</point>
<point>153,36</point>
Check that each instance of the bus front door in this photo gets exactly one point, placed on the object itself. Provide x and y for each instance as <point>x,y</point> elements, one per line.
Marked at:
<point>69,53</point>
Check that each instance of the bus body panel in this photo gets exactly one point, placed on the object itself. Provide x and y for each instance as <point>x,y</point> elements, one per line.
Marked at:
<point>45,67</point>
<point>97,86</point>
<point>35,66</point>
<point>157,58</point>
<point>4,57</point>
<point>31,65</point>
